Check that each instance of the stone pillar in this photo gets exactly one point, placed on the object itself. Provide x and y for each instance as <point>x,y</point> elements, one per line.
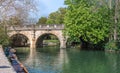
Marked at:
<point>33,40</point>
<point>32,44</point>
<point>62,43</point>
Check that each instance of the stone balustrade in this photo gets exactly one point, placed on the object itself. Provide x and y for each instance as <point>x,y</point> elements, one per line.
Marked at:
<point>37,27</point>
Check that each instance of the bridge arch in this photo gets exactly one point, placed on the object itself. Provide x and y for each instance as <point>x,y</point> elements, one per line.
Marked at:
<point>33,33</point>
<point>25,33</point>
<point>19,40</point>
<point>57,33</point>
<point>39,41</point>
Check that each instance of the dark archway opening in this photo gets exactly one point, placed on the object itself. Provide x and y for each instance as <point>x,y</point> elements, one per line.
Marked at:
<point>47,40</point>
<point>19,40</point>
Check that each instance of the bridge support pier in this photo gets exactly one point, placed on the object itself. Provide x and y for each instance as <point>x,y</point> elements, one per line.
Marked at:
<point>63,44</point>
<point>32,44</point>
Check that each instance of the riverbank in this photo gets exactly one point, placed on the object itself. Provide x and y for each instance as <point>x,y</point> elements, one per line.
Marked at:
<point>5,66</point>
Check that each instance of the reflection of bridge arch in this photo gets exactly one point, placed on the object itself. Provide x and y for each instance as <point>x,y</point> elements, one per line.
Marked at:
<point>39,41</point>
<point>36,60</point>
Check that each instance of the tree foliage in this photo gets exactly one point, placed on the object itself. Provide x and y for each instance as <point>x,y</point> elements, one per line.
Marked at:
<point>16,8</point>
<point>87,20</point>
<point>4,40</point>
<point>42,20</point>
<point>14,21</point>
<point>57,17</point>
<point>13,12</point>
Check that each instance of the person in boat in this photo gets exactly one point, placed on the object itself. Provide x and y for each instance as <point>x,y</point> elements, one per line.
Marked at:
<point>7,49</point>
<point>17,66</point>
<point>12,54</point>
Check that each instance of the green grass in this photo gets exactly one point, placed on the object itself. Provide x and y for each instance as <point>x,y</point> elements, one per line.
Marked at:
<point>53,41</point>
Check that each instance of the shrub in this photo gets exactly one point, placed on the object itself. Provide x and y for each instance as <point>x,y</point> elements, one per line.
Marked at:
<point>112,45</point>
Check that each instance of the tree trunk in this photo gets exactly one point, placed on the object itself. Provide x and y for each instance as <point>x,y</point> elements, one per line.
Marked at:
<point>116,20</point>
<point>110,4</point>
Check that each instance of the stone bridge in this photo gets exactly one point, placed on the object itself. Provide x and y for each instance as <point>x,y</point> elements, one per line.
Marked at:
<point>33,32</point>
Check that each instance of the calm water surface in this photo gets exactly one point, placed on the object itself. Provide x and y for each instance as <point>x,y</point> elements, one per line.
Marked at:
<point>54,60</point>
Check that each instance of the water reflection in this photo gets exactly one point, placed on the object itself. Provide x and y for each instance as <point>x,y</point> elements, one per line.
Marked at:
<point>85,62</point>
<point>32,58</point>
<point>40,62</point>
<point>70,61</point>
<point>22,53</point>
<point>114,62</point>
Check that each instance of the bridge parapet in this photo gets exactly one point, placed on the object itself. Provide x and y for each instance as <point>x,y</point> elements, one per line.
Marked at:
<point>37,27</point>
<point>52,27</point>
<point>33,32</point>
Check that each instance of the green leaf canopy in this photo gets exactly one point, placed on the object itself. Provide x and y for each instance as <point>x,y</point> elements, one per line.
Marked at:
<point>86,21</point>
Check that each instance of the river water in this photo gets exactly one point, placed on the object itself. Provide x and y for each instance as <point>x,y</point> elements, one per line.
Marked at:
<point>55,60</point>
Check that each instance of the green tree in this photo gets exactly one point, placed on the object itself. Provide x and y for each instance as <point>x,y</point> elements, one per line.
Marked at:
<point>13,12</point>
<point>42,20</point>
<point>4,40</point>
<point>114,34</point>
<point>57,17</point>
<point>116,18</point>
<point>87,20</point>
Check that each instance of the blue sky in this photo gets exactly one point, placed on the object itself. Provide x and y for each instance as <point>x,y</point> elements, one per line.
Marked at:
<point>45,7</point>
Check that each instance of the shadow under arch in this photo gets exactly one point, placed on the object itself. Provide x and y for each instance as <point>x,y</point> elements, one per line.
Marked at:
<point>47,36</point>
<point>19,40</point>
